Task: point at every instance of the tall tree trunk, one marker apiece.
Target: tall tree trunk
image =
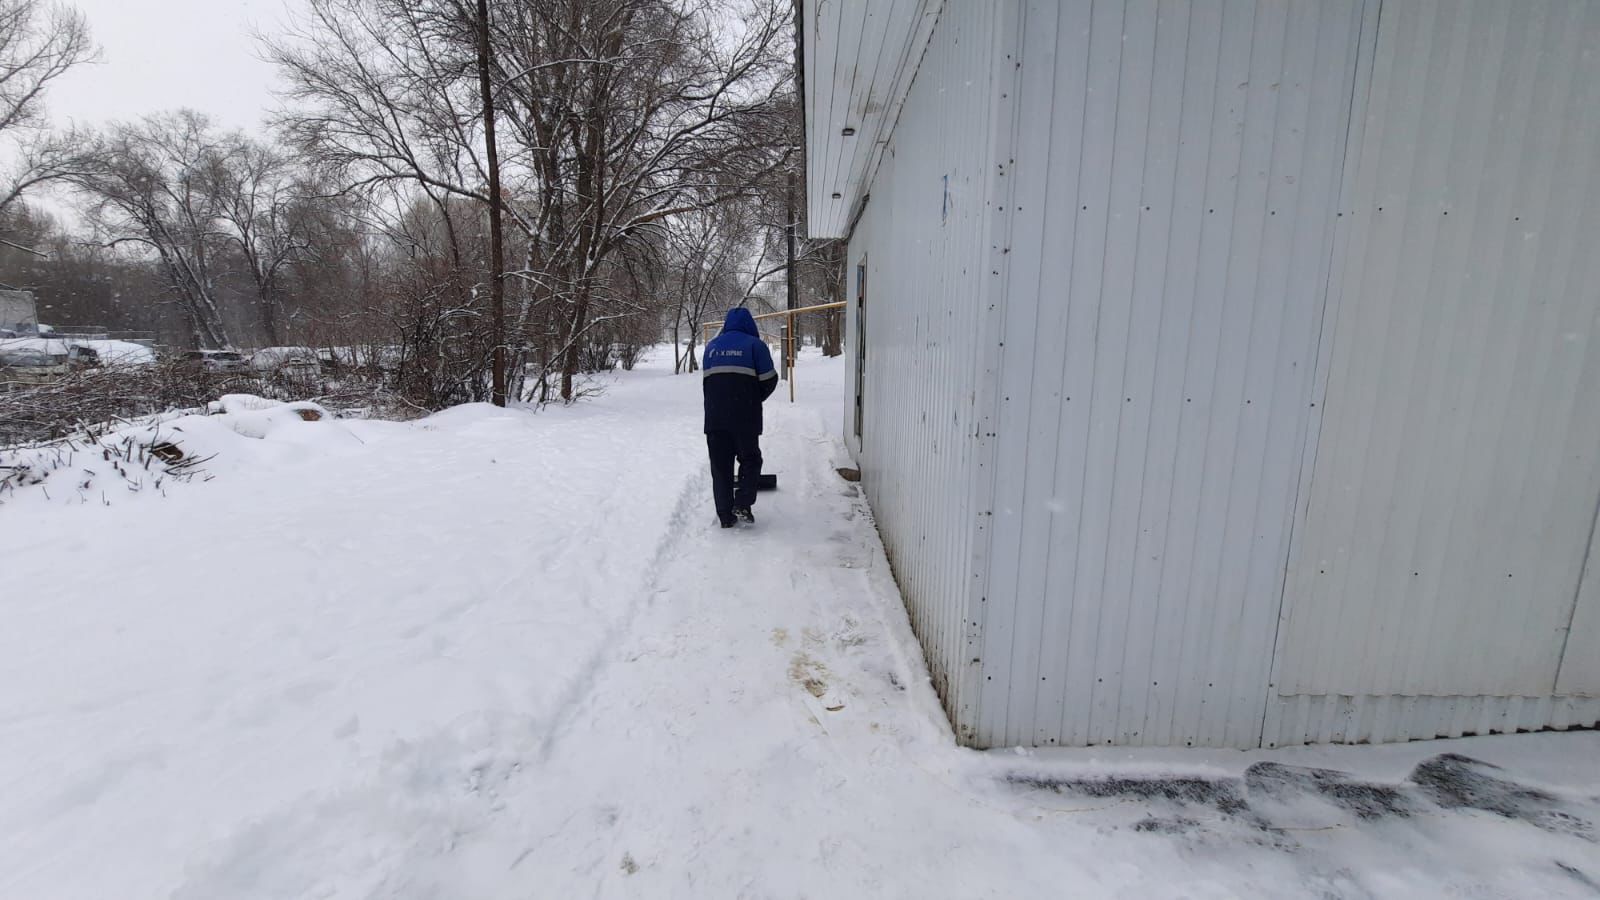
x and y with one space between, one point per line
205 320
575 329
266 308
497 264
268 314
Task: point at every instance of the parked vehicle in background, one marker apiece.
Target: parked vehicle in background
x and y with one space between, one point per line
29 351
371 357
29 360
220 362
83 356
296 363
116 354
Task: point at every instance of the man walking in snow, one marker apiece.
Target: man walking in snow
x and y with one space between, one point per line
737 378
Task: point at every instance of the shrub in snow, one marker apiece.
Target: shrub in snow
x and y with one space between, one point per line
95 468
102 463
67 399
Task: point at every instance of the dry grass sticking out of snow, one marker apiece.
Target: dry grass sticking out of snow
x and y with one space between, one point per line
108 464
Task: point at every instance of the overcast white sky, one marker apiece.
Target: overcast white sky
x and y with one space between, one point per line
165 54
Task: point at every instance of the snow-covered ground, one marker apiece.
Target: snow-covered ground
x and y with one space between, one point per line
502 654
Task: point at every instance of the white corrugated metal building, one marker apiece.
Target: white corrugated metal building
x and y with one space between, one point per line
1227 370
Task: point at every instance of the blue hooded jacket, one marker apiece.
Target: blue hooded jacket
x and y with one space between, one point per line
737 375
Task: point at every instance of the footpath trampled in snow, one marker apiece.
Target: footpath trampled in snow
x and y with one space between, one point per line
504 654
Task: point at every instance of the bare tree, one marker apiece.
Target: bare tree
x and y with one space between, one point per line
385 93
39 42
388 102
149 184
617 116
629 113
705 253
261 207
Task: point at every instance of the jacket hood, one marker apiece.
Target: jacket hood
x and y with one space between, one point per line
739 319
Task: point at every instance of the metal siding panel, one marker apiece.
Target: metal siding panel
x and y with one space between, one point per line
1358 244
1207 438
1165 304
822 24
1115 473
859 60
1569 407
1493 486
1066 345
1175 429
1454 339
1455 486
1580 665
1580 662
1315 92
1335 719
1083 429
1352 62
1012 641
868 104
1209 490
926 289
863 28
808 63
1007 125
1153 390
1236 632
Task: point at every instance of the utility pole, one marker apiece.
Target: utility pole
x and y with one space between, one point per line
789 239
791 335
497 263
791 201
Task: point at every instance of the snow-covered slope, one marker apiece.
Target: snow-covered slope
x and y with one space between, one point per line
502 654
